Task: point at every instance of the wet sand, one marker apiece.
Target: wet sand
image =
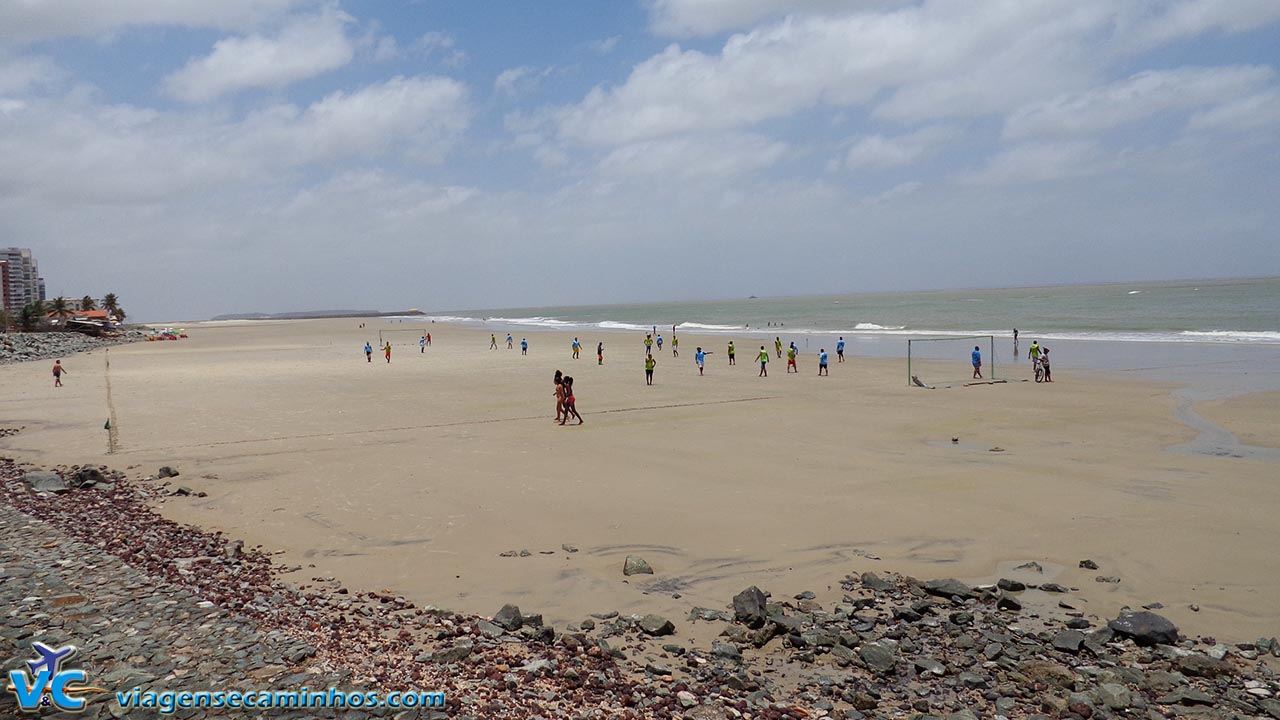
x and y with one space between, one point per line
417 475
1253 419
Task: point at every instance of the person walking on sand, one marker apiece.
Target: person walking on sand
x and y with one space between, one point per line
648 344
659 343
570 402
649 364
509 342
840 349
764 362
731 360
387 351
777 346
429 337
368 351
977 362
1044 363
422 344
675 346
524 346
700 357
577 348
822 363
559 393
57 373
600 353
791 360
493 341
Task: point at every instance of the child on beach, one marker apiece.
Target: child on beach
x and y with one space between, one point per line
822 363
559 393
649 365
840 349
977 362
368 351
731 360
387 350
57 373
570 402
764 361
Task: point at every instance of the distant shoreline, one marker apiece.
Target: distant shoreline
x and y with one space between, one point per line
317 315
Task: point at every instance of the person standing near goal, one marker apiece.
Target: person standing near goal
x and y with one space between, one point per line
422 344
387 350
977 362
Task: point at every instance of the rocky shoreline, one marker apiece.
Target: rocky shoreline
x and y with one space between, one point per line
84 559
22 347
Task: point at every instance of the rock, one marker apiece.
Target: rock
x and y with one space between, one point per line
948 588
686 699
457 652
1107 579
1146 628
1053 588
656 625
45 482
806 595
1068 641
1113 696
1032 566
509 617
1010 585
1078 623
87 476
872 581
1271 707
635 565
1204 666
183 491
166 472
973 681
658 669
878 657
568 548
493 630
962 715
749 607
538 667
726 651
1049 673
1088 565
1185 696
1009 602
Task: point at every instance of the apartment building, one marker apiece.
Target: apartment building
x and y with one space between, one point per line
22 283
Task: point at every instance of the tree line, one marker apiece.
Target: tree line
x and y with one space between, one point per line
32 315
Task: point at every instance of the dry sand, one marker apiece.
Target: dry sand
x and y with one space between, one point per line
415 476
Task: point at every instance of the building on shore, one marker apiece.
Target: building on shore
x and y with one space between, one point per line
21 283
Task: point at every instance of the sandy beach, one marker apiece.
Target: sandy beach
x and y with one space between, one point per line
416 476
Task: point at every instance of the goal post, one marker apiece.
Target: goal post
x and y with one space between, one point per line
396 336
926 356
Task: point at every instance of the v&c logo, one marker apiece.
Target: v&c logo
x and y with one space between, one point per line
46 684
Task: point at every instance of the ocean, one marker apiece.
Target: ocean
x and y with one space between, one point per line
1206 311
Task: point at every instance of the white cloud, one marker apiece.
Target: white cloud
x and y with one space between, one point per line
26 21
1255 112
441 45
1040 162
520 80
306 47
606 45
1187 18
718 156
18 74
683 18
878 151
1134 99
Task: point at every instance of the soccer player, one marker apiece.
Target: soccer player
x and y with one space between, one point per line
524 346
422 344
57 373
675 346
659 343
387 351
368 351
764 361
777 345
822 363
577 348
493 341
700 357
509 342
649 364
977 361
840 349
429 337
731 360
648 344
791 360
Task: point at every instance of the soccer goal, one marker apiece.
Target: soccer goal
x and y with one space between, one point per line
401 336
948 361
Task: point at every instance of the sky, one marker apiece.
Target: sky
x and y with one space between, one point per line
199 158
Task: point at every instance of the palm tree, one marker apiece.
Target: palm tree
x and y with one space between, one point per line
87 303
110 303
60 306
31 316
119 313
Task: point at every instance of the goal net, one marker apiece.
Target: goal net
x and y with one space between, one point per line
948 361
401 336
